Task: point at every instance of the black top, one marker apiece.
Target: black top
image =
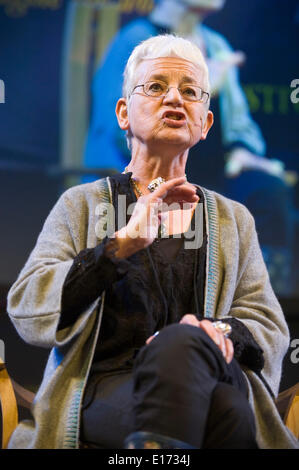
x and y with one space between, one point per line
152 288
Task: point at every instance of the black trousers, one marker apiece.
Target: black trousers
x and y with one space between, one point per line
181 387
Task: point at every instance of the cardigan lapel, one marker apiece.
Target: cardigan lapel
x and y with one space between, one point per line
212 259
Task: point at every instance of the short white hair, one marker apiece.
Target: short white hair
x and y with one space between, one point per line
164 45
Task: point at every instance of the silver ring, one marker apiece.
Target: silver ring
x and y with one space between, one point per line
222 327
155 183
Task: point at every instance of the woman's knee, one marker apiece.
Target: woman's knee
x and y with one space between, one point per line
178 339
178 344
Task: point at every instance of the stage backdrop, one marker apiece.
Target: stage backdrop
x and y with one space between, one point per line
61 66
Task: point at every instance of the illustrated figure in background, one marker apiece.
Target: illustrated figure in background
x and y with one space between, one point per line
240 146
121 297
183 17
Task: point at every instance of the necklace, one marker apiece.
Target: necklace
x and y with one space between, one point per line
154 184
136 187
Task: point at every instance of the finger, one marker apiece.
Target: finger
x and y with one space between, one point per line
190 319
149 339
152 337
163 189
175 189
186 186
216 336
229 350
207 326
181 191
184 198
222 345
181 198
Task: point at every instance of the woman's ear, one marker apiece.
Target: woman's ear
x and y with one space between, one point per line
207 125
121 111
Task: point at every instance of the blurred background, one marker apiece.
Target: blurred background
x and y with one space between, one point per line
61 65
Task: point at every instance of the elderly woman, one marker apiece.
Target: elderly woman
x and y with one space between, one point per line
137 307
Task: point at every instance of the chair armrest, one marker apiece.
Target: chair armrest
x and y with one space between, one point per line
8 405
287 404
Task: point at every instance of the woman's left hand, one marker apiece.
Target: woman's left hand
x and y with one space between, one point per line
224 344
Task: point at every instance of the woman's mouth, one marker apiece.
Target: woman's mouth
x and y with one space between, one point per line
174 118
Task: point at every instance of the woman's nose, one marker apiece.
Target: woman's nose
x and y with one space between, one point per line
173 96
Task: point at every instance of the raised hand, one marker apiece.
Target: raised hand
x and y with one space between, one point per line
143 225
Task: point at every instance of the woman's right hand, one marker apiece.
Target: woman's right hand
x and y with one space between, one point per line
143 225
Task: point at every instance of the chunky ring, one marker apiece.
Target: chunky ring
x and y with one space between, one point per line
155 183
223 328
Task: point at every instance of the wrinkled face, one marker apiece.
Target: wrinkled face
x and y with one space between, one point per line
206 4
168 120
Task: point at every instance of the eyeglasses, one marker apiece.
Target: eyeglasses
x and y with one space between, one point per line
160 89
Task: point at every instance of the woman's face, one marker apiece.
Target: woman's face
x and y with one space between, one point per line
168 120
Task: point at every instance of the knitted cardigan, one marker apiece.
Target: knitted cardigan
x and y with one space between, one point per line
237 285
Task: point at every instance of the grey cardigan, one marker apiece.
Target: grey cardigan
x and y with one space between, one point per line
237 285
